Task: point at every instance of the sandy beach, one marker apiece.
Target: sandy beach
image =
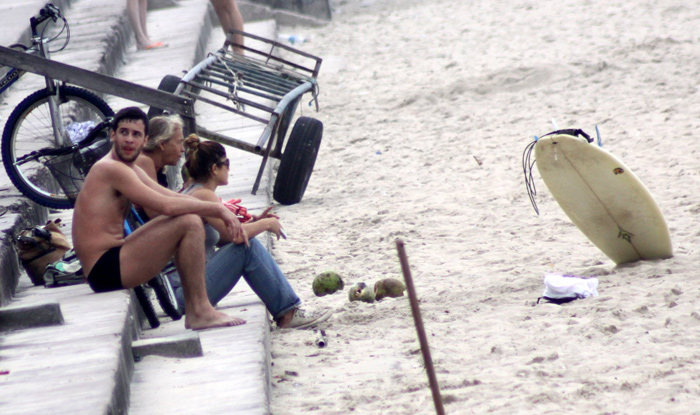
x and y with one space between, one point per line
427 107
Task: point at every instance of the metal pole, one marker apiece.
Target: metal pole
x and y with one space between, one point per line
422 338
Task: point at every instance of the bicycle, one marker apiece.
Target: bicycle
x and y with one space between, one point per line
48 135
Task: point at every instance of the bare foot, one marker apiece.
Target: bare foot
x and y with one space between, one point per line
216 319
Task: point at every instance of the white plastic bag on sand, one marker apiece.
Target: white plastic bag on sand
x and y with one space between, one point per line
563 288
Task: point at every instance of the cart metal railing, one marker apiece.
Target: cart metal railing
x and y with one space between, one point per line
260 84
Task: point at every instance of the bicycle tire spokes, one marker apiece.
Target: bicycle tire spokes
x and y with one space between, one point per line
30 153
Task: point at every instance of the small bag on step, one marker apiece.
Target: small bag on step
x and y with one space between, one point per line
39 246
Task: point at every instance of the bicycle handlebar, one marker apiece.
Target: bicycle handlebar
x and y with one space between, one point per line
50 151
50 11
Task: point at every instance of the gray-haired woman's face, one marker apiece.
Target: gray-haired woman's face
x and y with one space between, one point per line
173 148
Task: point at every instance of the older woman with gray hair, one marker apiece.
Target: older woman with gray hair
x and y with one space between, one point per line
164 147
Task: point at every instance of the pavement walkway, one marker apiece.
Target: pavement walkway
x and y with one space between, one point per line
86 364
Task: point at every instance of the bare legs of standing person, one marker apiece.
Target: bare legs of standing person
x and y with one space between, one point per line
229 18
136 9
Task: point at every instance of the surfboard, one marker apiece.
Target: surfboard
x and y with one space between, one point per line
603 198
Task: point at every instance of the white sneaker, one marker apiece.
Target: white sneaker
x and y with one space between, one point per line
303 319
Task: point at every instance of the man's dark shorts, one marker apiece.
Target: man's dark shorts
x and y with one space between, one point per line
106 274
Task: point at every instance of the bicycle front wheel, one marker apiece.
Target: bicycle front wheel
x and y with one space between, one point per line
165 295
30 128
147 306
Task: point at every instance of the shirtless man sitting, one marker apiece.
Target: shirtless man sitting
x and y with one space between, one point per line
113 262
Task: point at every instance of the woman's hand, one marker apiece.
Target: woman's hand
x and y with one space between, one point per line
266 214
274 226
233 225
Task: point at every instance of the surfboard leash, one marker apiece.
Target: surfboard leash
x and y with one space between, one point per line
527 172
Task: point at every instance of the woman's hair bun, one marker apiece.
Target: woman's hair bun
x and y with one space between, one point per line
191 142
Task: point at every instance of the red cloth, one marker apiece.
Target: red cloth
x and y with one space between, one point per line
238 210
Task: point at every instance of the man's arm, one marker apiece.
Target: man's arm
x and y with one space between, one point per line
144 164
126 181
153 184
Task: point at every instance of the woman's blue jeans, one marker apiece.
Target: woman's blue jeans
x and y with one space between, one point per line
255 264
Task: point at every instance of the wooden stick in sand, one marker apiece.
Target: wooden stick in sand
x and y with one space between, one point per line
422 338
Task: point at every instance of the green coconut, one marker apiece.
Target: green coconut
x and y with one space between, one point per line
361 292
327 282
388 287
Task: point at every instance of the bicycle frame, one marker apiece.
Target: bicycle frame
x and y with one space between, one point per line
10 78
38 47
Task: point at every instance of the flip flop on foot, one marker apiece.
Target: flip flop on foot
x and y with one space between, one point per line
155 45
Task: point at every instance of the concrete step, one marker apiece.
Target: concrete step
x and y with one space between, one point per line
82 366
232 376
178 345
26 316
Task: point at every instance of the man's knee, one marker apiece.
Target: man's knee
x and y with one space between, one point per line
189 223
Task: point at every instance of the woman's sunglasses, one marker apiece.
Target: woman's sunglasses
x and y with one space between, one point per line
226 162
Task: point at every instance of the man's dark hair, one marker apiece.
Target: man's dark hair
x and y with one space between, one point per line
130 114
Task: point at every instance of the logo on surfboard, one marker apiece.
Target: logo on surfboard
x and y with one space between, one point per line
623 234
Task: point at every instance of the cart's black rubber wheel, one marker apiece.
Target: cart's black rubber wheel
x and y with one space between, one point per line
298 160
147 306
166 295
169 83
